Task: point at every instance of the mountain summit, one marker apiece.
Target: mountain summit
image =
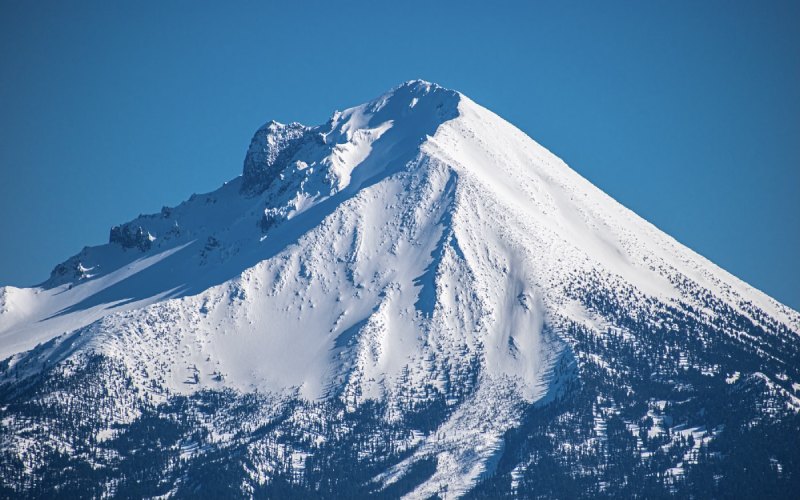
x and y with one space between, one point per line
414 298
408 114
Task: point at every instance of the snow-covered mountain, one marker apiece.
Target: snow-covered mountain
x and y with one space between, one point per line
414 298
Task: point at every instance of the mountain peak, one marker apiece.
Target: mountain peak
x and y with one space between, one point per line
412 110
420 87
416 90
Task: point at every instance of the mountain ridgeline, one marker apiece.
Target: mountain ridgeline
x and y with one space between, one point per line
414 299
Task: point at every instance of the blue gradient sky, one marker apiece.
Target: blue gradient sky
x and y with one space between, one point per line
686 112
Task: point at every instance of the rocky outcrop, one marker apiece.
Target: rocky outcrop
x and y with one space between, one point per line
131 236
271 149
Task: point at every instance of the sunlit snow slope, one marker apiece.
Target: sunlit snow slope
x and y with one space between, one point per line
412 247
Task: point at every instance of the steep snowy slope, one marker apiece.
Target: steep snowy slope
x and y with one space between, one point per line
416 267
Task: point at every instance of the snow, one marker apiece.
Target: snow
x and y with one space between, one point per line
35 315
364 258
732 378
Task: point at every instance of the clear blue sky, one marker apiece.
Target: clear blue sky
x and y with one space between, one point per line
686 112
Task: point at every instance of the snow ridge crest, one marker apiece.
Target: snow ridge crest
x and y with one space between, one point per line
420 105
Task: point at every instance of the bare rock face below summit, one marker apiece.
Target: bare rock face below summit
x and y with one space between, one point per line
412 299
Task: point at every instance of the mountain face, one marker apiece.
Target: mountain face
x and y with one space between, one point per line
412 299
